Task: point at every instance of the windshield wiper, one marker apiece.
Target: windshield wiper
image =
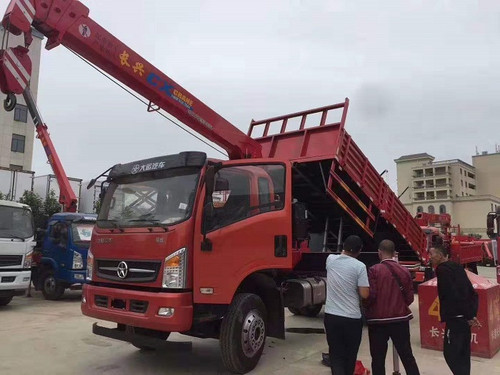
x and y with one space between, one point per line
10 235
154 222
111 221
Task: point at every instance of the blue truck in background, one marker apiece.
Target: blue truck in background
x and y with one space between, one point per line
61 259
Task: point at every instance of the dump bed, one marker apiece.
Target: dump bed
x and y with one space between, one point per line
353 182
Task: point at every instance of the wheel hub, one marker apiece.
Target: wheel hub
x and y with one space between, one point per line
253 333
50 284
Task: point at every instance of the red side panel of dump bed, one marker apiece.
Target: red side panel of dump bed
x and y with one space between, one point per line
328 140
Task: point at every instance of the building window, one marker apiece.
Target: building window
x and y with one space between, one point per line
21 113
17 144
442 209
15 167
420 209
430 209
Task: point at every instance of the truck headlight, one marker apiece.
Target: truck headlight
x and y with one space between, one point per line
175 269
27 260
77 261
90 266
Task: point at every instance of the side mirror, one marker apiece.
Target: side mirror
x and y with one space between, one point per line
39 237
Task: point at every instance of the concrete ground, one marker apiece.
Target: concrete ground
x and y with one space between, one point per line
53 337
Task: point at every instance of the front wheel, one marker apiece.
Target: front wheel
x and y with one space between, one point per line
51 288
4 301
243 333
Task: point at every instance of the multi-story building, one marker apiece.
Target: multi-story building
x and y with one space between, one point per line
467 192
17 131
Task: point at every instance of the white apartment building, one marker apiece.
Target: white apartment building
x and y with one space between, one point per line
467 192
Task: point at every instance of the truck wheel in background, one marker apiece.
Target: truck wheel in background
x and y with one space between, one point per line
4 301
51 289
243 333
311 311
472 267
151 333
294 311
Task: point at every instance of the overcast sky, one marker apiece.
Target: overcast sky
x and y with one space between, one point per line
421 78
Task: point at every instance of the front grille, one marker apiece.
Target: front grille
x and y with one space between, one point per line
135 306
138 306
8 279
10 260
137 271
101 301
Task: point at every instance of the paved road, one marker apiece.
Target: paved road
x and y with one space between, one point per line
52 337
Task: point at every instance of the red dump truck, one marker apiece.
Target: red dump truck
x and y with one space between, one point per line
217 248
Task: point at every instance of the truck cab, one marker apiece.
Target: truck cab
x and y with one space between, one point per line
63 261
16 249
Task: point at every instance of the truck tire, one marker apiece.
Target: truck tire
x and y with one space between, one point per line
243 333
311 311
294 311
4 301
51 289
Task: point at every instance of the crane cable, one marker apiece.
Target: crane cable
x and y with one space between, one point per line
116 82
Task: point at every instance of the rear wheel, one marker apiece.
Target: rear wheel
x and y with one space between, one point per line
4 301
51 288
472 267
294 311
311 311
243 333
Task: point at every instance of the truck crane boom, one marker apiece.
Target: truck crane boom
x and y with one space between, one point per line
67 22
67 197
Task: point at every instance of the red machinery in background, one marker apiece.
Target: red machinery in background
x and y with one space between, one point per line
464 249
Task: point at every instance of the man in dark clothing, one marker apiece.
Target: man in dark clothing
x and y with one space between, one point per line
458 304
387 310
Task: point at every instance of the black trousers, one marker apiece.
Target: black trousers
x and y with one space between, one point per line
457 346
399 333
344 337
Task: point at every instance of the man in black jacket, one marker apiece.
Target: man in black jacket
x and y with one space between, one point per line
458 304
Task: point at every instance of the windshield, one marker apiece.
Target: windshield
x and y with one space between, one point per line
15 222
162 198
82 233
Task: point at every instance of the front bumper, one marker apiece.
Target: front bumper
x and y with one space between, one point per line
14 283
72 276
117 305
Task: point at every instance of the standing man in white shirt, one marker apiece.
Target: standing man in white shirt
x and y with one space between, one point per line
347 281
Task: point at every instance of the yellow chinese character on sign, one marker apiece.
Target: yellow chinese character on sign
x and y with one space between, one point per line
124 58
139 67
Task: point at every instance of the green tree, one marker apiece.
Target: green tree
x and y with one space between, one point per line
36 203
2 196
97 206
51 205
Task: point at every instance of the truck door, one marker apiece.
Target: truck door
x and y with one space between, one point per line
58 246
248 228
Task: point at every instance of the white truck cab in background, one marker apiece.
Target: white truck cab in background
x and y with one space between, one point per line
16 249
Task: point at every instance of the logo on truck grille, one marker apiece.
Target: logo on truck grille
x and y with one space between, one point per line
122 270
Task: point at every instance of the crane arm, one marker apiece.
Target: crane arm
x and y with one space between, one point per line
67 197
67 22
